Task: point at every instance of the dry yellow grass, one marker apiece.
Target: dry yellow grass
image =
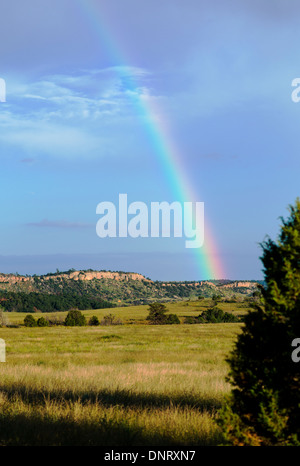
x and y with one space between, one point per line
118 385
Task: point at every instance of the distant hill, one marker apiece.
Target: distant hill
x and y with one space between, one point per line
94 288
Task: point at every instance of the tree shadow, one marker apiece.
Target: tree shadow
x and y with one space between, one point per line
108 398
39 428
31 429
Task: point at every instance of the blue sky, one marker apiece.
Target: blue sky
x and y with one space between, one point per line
220 73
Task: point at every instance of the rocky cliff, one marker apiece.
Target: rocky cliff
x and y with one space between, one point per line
125 287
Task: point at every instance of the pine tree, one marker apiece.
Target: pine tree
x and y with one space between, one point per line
264 405
157 313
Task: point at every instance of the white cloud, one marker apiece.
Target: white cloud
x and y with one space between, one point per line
68 115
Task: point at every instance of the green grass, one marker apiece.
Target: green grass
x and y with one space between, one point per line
131 384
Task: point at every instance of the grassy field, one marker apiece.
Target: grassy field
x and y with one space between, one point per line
130 384
138 314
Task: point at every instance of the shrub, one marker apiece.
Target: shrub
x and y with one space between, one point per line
172 319
75 318
216 315
111 319
55 320
94 321
42 322
213 315
29 321
190 320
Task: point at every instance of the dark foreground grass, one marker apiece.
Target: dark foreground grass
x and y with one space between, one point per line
62 423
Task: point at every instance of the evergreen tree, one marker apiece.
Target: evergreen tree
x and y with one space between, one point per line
29 321
157 313
42 322
264 406
75 318
94 321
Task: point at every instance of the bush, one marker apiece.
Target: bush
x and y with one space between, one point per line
29 321
216 315
42 322
190 320
55 320
94 321
111 319
213 315
75 318
172 319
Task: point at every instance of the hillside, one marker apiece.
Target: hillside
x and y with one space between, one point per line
98 289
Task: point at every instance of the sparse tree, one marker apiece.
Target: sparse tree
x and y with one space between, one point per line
110 319
157 313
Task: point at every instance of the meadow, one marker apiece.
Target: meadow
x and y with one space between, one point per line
132 384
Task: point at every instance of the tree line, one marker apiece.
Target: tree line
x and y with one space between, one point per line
43 302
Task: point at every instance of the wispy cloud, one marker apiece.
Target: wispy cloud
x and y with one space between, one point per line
71 115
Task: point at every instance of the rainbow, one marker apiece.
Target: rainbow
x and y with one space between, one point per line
171 162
